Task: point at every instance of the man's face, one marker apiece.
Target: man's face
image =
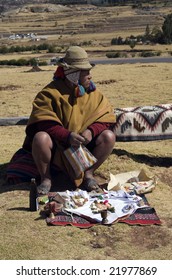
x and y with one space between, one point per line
85 78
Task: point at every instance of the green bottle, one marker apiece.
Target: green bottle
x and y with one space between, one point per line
33 198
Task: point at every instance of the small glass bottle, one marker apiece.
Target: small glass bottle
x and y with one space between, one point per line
33 198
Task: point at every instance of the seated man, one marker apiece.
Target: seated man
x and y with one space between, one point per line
69 111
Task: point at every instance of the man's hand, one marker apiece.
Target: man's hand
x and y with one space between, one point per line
76 139
87 135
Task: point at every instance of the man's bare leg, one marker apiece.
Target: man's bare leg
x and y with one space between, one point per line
41 151
104 146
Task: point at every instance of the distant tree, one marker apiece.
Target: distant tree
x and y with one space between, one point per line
21 62
114 41
147 32
51 49
33 62
157 35
120 40
3 49
167 29
132 44
17 49
12 62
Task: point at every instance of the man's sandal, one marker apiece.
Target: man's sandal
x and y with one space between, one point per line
90 184
43 189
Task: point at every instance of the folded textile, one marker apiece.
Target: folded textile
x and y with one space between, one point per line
80 158
144 215
64 219
140 217
144 123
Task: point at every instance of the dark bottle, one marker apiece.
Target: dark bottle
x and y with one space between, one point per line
33 198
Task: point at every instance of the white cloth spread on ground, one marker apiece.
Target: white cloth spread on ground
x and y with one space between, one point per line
123 203
120 195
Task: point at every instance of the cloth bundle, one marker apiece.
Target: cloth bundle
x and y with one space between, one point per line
79 158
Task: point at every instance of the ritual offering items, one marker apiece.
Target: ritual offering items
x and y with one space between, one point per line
104 208
98 206
139 187
79 200
56 197
51 216
75 199
52 208
43 199
121 199
127 208
65 200
134 181
143 187
104 216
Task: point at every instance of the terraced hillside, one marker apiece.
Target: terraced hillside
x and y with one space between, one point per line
56 19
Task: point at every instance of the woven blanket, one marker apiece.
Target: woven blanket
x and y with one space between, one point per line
143 216
63 219
140 217
145 123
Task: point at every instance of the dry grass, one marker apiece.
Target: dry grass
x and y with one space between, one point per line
24 235
82 23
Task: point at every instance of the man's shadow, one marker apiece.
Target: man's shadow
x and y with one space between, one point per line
60 182
146 159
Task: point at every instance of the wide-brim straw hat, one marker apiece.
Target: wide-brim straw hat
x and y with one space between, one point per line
75 58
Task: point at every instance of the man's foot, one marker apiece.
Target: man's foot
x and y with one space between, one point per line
44 187
90 184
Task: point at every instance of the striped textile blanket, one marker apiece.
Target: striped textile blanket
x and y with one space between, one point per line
139 217
145 123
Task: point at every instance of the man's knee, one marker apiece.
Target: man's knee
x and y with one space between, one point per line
107 136
42 138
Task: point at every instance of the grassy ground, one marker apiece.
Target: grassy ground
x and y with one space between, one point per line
81 23
24 235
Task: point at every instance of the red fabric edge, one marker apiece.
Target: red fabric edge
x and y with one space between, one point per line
54 223
141 222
